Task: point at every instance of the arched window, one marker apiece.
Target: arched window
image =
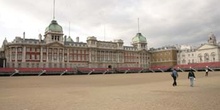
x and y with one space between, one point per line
183 55
213 56
183 61
200 58
206 57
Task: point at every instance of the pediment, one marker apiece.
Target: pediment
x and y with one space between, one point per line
207 46
55 44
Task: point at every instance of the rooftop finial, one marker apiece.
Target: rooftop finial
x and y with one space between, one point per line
138 26
69 28
53 9
104 32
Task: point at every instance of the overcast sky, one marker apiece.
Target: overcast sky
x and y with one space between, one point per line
162 22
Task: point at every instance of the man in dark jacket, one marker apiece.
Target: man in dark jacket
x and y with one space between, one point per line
174 74
191 77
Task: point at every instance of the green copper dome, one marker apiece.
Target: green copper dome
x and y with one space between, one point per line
69 39
54 27
139 38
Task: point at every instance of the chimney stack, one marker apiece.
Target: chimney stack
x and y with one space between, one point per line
23 35
77 39
40 37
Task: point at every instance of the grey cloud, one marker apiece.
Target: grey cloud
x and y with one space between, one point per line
162 22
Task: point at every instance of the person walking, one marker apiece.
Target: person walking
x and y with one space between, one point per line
174 74
206 72
191 77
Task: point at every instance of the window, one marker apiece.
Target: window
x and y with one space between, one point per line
20 49
44 49
54 57
44 57
213 56
55 65
183 61
55 50
200 57
32 56
38 57
183 55
61 50
33 65
19 65
79 59
50 57
71 57
28 49
37 65
206 57
27 65
65 57
50 50
19 57
75 58
60 57
37 49
70 51
28 56
32 49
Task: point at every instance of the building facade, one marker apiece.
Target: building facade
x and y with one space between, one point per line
208 52
186 55
54 50
164 56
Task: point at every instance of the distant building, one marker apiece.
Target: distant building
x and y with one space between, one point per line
208 52
164 56
54 50
186 55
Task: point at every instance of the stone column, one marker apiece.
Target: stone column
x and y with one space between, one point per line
218 56
57 55
16 54
117 57
95 54
47 60
52 55
47 55
10 55
104 56
68 55
4 63
41 54
90 55
24 54
63 56
16 57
